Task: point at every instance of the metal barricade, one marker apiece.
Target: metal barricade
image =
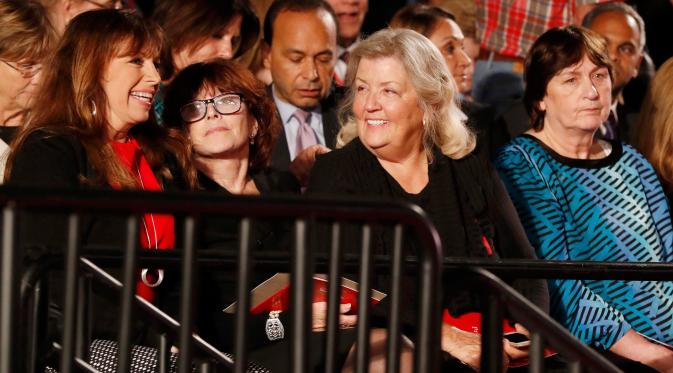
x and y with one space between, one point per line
304 212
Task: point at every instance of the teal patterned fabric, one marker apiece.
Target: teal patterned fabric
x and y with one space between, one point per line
612 209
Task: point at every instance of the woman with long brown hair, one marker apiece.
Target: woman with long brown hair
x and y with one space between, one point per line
92 128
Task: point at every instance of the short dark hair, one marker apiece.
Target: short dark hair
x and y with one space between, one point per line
193 22
552 52
619 7
420 18
227 76
279 6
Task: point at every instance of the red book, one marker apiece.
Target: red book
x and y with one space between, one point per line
471 322
274 294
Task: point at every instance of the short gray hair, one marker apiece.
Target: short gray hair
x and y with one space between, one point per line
620 7
443 123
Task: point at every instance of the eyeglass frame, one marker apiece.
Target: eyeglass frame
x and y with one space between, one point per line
25 73
212 101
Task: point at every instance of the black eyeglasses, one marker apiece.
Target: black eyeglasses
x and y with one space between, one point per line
27 70
228 103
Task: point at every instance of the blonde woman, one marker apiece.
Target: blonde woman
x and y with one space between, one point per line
405 139
25 40
654 134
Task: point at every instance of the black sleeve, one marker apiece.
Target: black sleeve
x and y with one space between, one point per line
514 244
46 161
51 162
325 176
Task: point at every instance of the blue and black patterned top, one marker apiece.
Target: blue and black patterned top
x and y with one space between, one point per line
610 209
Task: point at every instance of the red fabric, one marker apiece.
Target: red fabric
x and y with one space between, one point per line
132 157
509 27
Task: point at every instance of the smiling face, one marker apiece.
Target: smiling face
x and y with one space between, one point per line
578 98
449 39
388 116
350 15
218 135
623 38
301 62
130 83
223 45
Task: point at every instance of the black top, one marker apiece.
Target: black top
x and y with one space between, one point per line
58 161
220 237
465 199
7 133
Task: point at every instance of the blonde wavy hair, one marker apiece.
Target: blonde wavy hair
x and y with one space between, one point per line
444 123
654 134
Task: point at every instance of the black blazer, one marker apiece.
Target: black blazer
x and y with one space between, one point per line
280 158
464 198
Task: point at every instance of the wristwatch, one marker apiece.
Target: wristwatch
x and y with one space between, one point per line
274 328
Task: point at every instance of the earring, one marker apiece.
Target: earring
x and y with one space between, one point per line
93 108
252 140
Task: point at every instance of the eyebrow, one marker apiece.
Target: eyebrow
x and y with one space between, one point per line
303 53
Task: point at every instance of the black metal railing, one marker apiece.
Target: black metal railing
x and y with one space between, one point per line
303 260
304 212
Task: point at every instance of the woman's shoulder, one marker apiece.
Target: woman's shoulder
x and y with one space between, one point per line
49 158
343 169
521 149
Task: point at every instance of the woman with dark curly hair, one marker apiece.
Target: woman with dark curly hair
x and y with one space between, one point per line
229 120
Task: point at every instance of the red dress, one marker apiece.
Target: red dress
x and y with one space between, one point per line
156 230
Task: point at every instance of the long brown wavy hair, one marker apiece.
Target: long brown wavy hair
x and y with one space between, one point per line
72 100
226 76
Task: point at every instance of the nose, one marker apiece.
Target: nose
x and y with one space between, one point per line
211 113
463 58
372 102
225 49
310 69
590 89
151 73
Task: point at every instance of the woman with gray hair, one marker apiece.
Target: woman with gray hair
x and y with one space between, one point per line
404 138
582 198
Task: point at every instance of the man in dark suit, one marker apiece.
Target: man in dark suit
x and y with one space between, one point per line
300 52
624 31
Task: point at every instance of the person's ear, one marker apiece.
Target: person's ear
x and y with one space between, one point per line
266 56
254 128
69 9
636 69
541 105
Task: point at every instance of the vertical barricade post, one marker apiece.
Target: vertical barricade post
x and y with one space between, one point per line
243 296
127 295
187 296
300 299
9 291
428 342
536 353
394 333
334 300
164 353
364 296
70 303
491 334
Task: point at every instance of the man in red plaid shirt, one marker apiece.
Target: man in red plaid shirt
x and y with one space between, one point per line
507 29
